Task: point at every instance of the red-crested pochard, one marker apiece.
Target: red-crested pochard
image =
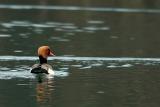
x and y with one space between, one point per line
43 67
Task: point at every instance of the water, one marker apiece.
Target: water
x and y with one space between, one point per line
107 53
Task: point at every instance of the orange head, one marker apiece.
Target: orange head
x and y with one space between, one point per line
45 51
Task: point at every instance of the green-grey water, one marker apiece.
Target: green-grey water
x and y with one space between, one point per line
107 53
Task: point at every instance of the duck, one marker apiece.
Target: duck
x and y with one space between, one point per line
43 66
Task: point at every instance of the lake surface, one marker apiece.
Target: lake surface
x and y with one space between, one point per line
107 53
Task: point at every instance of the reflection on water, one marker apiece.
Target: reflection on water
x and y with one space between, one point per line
44 89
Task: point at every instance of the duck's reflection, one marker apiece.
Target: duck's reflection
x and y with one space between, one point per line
44 89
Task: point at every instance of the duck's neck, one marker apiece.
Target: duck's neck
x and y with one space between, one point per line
42 60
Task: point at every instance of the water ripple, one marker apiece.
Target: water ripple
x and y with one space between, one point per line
119 66
66 58
80 8
11 73
62 64
57 26
5 35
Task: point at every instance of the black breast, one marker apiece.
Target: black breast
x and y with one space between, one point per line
38 69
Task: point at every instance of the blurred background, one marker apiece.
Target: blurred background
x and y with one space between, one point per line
81 28
107 53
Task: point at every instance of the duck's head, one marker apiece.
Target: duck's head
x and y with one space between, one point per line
43 53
